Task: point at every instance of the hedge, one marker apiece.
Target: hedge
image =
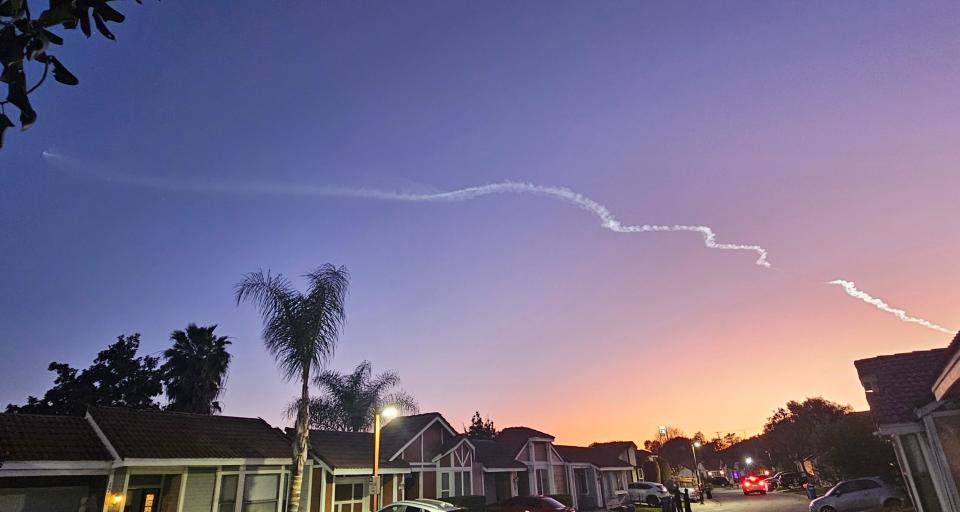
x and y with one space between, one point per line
470 503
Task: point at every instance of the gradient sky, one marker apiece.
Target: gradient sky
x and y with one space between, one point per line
825 131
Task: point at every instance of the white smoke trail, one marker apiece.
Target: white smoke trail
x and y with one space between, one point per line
607 220
851 289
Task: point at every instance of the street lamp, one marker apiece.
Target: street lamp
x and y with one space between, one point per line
696 468
387 412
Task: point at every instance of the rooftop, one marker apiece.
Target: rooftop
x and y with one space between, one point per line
899 383
34 437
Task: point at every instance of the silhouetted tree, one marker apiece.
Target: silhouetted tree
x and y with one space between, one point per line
116 378
300 330
349 401
195 370
24 38
481 428
791 432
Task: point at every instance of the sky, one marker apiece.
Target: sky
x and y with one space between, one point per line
825 132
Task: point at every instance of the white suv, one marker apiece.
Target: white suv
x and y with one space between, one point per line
859 494
648 493
420 505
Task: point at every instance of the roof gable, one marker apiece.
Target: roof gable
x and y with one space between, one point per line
597 456
400 432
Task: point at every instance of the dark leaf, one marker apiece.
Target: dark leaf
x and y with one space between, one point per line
70 24
43 58
51 37
109 13
102 27
84 17
62 74
5 123
58 14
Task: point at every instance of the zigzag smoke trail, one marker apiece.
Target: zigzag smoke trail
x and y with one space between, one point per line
851 289
607 219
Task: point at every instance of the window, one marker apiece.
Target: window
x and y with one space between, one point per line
643 487
445 478
619 481
845 488
249 492
863 485
542 482
261 492
228 493
348 497
581 481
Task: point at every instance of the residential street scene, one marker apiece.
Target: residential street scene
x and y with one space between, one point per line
479 256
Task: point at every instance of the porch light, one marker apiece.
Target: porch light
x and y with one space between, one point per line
116 498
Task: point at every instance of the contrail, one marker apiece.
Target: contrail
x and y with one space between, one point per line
851 289
607 220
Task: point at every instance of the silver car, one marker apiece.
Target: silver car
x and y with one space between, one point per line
859 494
648 493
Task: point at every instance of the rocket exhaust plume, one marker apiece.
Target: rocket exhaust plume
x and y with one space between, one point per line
851 289
607 220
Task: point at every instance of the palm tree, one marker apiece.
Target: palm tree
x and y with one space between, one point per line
300 330
349 401
195 370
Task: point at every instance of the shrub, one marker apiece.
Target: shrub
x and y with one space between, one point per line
470 503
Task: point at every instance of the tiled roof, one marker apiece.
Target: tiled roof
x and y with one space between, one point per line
151 433
347 450
522 433
597 456
900 383
494 454
34 437
399 431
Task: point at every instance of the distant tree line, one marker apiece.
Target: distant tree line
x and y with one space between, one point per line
192 373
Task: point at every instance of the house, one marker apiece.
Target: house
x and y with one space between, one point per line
421 456
679 452
596 468
627 451
913 400
134 460
520 461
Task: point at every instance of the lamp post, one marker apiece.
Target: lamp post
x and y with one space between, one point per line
749 461
696 468
387 412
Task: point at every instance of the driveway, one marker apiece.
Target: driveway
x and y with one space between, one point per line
733 500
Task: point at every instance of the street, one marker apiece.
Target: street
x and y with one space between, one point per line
733 500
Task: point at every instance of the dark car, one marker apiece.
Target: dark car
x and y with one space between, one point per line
534 504
792 479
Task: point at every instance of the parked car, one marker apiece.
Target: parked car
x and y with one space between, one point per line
534 504
648 493
792 479
719 481
859 494
421 505
753 485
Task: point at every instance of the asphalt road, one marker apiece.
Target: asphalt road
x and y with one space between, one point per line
733 500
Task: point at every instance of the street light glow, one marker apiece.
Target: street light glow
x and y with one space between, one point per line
749 460
389 412
696 444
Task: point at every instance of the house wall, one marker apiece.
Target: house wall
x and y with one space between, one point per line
198 496
52 493
429 484
947 432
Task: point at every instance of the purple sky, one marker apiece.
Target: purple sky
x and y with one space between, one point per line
824 131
